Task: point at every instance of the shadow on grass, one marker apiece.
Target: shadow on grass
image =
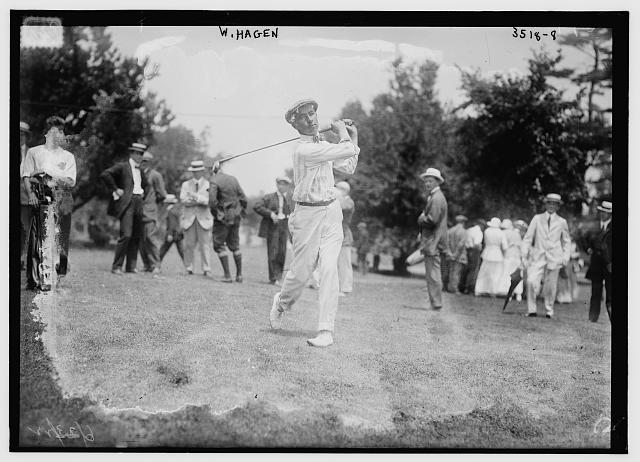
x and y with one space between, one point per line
291 333
47 418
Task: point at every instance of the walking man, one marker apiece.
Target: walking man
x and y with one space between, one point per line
127 184
433 228
600 265
316 222
228 205
196 217
275 210
545 249
457 237
153 197
345 269
174 233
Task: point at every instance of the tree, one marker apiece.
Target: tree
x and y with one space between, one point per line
522 142
404 133
98 92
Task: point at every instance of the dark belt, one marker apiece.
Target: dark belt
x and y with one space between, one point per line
315 204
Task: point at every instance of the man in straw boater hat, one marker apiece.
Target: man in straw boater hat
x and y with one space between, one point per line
127 182
599 272
197 220
433 229
457 237
545 249
316 222
275 210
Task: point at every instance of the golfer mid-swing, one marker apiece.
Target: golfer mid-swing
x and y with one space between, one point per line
316 222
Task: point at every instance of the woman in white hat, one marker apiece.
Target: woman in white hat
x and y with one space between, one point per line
512 258
490 274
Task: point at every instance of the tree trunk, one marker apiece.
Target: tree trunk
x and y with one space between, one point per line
592 87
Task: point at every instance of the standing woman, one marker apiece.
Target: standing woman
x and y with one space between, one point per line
512 258
490 274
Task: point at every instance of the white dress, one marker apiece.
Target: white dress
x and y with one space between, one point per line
490 274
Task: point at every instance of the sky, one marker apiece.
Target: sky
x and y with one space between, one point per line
241 88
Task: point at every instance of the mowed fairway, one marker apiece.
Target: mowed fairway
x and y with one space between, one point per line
397 375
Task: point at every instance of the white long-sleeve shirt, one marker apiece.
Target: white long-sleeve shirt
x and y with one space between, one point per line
57 163
313 165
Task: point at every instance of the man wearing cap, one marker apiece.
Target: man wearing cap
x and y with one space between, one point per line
196 220
127 183
545 249
599 272
345 269
58 168
174 234
228 204
26 210
457 237
154 195
275 209
433 229
316 222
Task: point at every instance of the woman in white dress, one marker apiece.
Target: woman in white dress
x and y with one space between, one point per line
490 274
511 258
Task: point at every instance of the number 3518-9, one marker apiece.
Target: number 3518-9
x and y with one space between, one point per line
531 34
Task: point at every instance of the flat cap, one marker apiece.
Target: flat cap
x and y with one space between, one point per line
291 112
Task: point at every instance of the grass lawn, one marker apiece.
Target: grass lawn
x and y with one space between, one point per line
190 361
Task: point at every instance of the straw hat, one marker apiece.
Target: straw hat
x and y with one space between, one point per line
196 166
434 172
494 222
605 206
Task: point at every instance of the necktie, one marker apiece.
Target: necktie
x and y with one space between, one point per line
197 184
280 203
549 222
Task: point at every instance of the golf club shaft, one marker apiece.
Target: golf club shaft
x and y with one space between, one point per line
322 130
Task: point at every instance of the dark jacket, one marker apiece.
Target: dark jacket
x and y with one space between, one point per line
599 242
119 176
264 208
226 199
153 195
433 225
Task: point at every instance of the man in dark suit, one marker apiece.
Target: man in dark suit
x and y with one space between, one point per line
228 204
127 183
275 209
599 272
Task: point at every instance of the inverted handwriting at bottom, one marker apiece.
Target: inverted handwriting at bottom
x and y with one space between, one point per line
58 432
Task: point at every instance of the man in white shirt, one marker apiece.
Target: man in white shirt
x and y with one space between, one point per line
59 169
316 222
545 249
127 183
197 220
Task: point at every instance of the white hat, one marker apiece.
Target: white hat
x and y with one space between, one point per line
290 115
147 156
138 147
506 224
605 206
196 166
24 127
283 179
434 172
171 199
552 197
494 222
343 185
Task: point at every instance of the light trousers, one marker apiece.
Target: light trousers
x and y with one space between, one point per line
536 273
197 235
433 275
317 237
345 270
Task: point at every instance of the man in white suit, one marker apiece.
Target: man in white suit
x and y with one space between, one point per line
545 249
197 220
